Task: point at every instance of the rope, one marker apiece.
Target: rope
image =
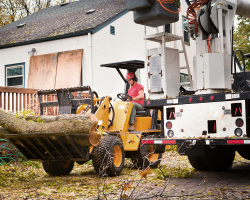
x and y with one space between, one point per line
191 14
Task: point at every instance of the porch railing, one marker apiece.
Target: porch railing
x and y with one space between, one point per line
19 99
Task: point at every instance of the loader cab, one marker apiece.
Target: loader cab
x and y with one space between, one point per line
130 66
143 120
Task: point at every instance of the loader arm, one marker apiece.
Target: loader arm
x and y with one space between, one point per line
102 113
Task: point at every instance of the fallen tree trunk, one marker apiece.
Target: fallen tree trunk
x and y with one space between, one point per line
3 131
80 126
51 118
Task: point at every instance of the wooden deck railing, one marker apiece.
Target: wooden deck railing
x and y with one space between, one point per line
19 99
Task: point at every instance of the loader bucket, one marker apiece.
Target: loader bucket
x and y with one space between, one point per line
44 146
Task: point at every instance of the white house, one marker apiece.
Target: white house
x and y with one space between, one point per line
64 46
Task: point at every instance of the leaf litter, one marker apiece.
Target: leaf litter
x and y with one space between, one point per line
28 180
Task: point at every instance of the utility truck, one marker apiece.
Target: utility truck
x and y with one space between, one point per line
211 120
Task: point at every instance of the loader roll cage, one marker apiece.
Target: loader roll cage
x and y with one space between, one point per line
131 65
66 102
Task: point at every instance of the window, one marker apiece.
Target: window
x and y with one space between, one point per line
168 28
14 75
184 78
186 34
138 75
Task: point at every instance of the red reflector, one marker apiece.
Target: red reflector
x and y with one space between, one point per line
168 141
235 141
148 102
169 125
190 99
212 98
200 98
239 122
147 142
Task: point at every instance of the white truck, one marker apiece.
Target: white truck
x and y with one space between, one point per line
210 121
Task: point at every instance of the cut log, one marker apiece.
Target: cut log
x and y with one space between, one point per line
79 126
50 118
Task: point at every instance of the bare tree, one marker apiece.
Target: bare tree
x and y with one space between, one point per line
12 10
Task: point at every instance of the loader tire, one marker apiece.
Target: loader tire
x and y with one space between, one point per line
145 156
58 168
109 156
197 163
219 158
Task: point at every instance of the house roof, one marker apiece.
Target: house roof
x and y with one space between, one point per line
67 20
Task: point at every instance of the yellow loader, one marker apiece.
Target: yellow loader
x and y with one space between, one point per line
117 143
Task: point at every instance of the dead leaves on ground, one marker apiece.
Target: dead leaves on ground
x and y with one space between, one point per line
28 180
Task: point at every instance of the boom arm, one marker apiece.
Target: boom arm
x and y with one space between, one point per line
212 26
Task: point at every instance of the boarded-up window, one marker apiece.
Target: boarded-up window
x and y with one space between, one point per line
57 70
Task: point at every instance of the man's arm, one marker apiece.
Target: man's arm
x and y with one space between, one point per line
140 96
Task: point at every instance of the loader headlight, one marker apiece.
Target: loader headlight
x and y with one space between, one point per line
170 133
238 132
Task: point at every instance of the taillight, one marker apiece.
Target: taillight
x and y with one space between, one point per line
169 125
239 122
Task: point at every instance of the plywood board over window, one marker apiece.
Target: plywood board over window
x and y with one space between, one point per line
42 71
69 69
56 70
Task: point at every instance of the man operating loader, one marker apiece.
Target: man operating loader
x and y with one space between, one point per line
136 91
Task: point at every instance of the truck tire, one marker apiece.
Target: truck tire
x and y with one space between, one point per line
244 151
58 168
145 156
108 157
219 158
197 163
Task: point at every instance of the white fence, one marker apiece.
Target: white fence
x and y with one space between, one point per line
19 99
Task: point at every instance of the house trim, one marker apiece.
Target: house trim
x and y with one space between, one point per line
75 34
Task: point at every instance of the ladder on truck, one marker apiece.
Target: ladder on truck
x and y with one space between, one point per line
164 37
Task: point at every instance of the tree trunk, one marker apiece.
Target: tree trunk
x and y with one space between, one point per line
80 126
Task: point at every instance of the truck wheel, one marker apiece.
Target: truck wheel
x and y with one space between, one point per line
197 163
244 151
108 157
219 158
58 168
145 156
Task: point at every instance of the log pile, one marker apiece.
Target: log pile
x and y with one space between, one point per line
81 128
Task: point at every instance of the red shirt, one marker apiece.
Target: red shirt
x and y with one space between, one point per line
134 92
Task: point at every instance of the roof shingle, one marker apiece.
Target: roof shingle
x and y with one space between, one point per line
60 20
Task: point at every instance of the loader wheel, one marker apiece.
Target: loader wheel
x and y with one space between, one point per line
145 156
108 157
219 158
58 168
197 163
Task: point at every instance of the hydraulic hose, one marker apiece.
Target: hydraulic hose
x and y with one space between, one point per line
235 81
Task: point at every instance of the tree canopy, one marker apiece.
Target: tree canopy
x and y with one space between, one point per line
241 39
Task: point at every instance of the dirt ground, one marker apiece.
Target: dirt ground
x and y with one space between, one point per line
175 179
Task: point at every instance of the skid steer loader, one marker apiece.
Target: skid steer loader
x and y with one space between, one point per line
58 155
